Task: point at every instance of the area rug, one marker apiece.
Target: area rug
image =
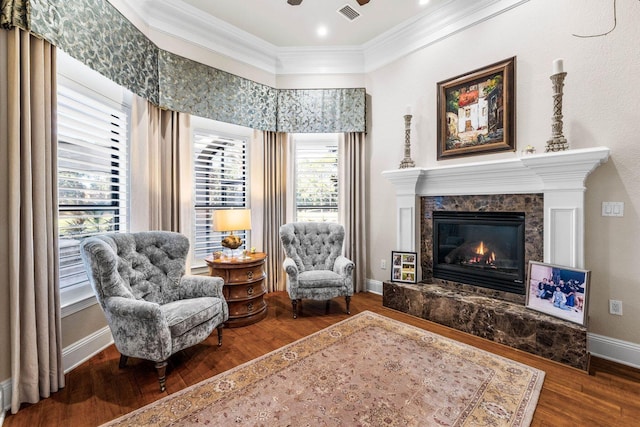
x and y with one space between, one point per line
368 370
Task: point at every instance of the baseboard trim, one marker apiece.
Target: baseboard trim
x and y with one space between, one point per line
624 352
84 349
374 286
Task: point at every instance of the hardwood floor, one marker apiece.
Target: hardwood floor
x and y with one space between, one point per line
98 391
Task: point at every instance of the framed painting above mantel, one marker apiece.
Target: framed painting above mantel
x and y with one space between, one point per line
476 111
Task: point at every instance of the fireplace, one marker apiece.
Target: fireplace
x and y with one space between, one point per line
480 248
549 189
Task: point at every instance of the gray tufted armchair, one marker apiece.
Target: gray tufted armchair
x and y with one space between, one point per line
315 266
153 309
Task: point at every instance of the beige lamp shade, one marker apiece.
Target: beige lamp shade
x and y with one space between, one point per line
231 219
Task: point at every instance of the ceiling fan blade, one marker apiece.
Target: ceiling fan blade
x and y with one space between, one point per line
294 2
363 2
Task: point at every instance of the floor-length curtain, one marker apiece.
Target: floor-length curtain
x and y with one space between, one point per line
165 136
275 191
353 191
36 349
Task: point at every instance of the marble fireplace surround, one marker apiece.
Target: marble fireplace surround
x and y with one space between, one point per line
554 180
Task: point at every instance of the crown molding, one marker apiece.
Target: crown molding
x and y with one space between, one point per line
321 60
451 18
187 23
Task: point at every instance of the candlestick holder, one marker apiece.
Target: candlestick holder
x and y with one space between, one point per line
407 162
557 142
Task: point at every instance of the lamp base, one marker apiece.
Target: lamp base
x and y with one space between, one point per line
234 253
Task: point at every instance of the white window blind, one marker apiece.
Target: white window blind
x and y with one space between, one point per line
220 182
92 175
316 178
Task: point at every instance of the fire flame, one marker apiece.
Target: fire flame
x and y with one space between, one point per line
481 251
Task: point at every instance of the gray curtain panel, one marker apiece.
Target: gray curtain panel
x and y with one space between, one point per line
274 180
36 349
353 161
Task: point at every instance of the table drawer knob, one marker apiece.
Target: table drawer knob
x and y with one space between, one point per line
250 290
250 274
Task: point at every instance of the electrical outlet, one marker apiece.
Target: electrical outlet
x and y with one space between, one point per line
615 307
383 264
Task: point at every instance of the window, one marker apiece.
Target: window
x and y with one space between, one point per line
316 177
220 182
92 177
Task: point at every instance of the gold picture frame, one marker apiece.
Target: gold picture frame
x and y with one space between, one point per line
476 111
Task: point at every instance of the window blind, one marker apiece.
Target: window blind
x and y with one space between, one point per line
220 182
316 180
92 175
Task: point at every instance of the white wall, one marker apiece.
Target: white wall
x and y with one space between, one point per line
601 95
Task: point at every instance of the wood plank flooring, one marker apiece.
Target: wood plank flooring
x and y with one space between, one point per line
98 391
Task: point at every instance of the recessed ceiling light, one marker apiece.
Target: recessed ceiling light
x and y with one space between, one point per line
423 2
322 31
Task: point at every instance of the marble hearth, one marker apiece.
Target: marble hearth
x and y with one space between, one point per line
550 189
495 319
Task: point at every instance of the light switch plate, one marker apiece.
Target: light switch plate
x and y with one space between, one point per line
612 208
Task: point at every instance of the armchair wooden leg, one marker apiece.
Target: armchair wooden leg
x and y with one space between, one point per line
326 306
348 300
294 304
219 335
123 361
161 367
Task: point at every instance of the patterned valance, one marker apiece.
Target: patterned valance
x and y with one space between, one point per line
186 85
95 33
321 110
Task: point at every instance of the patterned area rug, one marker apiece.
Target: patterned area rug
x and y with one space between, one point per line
368 370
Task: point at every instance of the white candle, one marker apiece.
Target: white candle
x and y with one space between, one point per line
408 113
557 66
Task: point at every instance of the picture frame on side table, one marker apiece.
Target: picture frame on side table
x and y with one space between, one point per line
559 291
476 111
404 266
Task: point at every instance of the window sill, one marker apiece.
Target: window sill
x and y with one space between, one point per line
75 300
199 270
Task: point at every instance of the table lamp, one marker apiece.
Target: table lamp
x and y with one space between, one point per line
231 220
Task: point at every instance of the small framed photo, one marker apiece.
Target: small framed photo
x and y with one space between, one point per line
476 111
404 267
559 291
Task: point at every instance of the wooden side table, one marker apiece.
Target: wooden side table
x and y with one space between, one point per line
244 287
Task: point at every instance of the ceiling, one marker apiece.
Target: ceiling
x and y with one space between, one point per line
273 36
283 25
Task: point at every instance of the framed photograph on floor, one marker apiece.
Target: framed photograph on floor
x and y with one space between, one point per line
559 291
476 111
404 267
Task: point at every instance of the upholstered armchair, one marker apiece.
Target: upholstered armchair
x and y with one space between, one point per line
315 266
153 309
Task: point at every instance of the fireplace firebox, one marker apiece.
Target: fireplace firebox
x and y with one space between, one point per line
480 248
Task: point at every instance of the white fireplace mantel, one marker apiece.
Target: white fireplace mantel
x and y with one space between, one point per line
560 176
